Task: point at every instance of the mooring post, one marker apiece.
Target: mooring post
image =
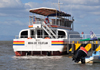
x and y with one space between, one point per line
40 52
31 53
67 48
96 45
92 48
21 53
26 53
72 47
51 52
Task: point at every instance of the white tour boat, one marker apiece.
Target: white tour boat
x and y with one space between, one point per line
49 32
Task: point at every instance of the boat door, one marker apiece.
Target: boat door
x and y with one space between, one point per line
39 36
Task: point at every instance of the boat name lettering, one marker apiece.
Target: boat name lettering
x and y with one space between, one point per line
42 42
30 42
37 42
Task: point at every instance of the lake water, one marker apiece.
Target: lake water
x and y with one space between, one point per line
8 61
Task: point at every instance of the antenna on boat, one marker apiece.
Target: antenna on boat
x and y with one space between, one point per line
58 4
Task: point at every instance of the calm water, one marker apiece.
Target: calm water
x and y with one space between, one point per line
9 62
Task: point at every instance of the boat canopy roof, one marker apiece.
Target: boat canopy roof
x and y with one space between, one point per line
49 12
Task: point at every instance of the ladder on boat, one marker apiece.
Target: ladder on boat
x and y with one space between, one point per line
49 30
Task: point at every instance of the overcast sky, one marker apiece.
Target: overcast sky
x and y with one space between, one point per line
14 14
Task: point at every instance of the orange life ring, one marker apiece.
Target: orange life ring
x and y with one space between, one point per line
46 19
29 38
47 38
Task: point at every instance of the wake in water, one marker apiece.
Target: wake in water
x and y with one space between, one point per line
37 57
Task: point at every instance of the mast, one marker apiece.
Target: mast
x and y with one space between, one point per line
58 4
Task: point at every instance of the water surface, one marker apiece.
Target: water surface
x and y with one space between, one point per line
8 61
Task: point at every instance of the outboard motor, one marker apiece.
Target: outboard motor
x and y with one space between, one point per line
80 55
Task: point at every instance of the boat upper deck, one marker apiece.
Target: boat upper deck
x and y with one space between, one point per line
51 16
54 24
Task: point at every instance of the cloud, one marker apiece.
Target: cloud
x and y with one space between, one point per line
14 8
76 7
36 5
32 4
82 8
10 4
84 26
13 22
95 13
84 2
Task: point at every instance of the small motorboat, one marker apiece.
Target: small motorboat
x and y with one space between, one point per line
79 57
95 58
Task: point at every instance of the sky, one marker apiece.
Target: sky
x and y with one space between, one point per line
14 15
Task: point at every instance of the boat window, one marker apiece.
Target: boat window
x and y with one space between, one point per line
74 35
61 34
24 34
39 33
45 34
62 22
32 34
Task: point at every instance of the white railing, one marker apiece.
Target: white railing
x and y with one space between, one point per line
74 37
77 37
49 30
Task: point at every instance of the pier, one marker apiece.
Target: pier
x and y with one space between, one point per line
72 48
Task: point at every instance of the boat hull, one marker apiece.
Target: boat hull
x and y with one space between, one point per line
41 53
23 47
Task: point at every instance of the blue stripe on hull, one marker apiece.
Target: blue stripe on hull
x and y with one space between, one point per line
18 44
57 44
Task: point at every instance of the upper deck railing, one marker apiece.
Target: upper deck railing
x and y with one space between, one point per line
65 22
